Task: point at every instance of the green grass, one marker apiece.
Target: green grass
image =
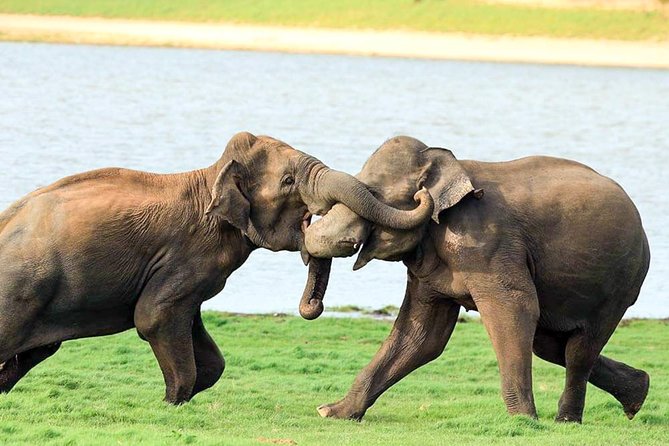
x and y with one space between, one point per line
109 390
467 16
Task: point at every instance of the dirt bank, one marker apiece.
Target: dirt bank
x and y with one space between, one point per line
331 41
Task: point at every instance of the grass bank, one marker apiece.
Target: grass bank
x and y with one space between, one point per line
452 16
108 391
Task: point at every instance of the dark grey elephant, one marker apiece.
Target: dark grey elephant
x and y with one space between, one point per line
551 257
104 251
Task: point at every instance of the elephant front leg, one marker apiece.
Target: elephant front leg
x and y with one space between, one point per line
167 325
419 335
510 317
209 361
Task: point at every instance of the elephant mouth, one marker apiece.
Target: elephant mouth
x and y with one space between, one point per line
306 221
349 246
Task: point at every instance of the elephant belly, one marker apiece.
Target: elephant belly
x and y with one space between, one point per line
580 297
565 310
56 326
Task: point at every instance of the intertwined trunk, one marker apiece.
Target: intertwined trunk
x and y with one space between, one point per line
344 188
331 186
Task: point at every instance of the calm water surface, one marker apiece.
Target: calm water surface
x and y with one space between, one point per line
66 109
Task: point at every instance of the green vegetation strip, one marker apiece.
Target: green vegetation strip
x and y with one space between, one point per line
466 16
109 390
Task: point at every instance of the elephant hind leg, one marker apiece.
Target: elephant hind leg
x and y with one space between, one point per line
15 368
626 384
209 361
581 354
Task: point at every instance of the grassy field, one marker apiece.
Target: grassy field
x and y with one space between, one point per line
108 391
466 16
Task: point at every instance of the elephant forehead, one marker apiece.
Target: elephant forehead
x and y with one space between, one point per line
394 168
271 153
393 188
268 141
396 161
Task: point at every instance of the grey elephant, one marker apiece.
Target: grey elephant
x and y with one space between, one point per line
111 249
548 251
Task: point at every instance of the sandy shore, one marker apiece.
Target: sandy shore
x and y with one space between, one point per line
331 41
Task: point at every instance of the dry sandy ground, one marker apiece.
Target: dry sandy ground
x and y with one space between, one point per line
364 43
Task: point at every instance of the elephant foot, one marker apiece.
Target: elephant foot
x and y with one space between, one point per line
568 418
529 412
176 401
177 397
340 410
635 397
9 374
567 413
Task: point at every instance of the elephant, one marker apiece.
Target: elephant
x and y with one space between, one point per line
107 250
549 252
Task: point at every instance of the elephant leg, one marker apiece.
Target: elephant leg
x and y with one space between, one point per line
419 335
626 384
12 370
168 327
209 361
581 354
510 315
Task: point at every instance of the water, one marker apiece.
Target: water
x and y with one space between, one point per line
66 109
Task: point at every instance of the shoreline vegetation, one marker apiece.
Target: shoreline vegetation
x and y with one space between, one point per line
619 33
588 19
108 390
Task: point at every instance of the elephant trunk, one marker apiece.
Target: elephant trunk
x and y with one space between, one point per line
340 187
311 304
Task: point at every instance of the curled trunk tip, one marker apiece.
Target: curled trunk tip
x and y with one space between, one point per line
311 303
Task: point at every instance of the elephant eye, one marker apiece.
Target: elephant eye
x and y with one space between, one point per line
288 180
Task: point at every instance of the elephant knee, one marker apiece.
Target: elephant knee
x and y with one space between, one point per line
433 352
431 347
209 372
147 325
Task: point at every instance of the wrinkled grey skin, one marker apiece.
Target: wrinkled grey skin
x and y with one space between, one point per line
551 256
104 251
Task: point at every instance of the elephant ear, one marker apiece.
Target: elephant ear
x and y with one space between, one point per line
227 199
445 179
240 144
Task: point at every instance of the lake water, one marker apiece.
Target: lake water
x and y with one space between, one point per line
66 109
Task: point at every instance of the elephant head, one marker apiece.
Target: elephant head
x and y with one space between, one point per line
393 174
269 191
